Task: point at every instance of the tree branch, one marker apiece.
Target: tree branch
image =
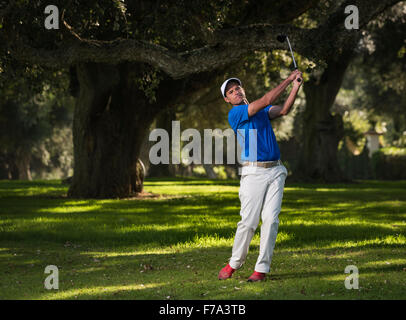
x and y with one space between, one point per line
223 48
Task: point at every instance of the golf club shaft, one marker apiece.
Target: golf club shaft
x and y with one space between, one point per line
291 52
293 57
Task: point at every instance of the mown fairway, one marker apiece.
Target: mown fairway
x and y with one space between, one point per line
173 246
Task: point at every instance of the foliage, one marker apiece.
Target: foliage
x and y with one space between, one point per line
393 151
389 163
35 108
356 166
376 79
53 156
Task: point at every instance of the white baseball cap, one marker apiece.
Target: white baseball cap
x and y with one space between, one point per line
223 86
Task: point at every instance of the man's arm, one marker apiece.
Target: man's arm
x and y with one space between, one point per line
270 96
278 111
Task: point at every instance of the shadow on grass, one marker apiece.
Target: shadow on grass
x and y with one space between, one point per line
150 229
184 275
181 220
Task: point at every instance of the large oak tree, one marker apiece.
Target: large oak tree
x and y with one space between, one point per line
132 58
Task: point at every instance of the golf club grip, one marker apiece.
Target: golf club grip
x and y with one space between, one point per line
298 80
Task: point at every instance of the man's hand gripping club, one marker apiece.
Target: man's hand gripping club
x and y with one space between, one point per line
272 95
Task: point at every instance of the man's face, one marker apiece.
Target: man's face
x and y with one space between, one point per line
235 94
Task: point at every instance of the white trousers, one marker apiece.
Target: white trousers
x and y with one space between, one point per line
261 192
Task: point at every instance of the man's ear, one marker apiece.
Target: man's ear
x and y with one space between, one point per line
226 100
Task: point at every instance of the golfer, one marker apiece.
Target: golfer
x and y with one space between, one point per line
262 178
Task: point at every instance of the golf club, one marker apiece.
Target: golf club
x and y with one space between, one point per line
281 38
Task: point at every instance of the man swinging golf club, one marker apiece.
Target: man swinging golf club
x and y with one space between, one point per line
263 178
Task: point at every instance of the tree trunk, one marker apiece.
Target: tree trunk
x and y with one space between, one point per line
12 166
164 121
22 163
322 131
5 172
210 171
112 117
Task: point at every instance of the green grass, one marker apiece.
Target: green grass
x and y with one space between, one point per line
173 246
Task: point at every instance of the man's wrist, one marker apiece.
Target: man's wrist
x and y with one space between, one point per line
296 84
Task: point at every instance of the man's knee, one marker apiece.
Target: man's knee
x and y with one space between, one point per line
271 218
247 225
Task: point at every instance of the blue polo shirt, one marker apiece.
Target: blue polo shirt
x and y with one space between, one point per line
266 145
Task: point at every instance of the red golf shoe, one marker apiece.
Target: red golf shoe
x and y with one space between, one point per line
256 276
226 272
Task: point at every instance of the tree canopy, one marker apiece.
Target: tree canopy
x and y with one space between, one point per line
178 37
129 60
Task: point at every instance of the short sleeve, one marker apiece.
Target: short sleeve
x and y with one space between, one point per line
266 109
238 116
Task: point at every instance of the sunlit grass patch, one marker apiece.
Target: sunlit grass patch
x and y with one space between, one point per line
85 293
